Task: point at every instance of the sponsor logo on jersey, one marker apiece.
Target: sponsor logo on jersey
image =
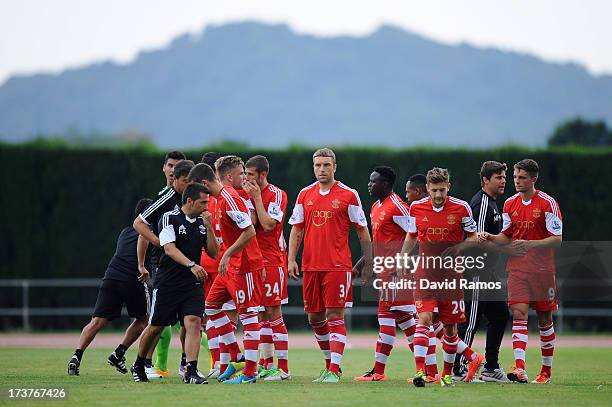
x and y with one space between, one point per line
319 217
182 230
425 219
438 231
514 214
309 203
525 224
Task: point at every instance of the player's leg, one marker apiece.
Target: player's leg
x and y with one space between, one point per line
280 337
266 346
421 340
165 306
132 333
519 298
336 286
314 306
247 288
520 336
160 356
497 316
108 306
191 309
545 294
547 344
192 349
135 296
217 296
466 330
384 344
88 333
274 332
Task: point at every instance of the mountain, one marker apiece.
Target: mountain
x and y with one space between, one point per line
268 86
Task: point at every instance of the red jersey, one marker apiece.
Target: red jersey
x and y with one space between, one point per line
233 216
275 202
536 219
439 228
208 263
252 260
390 222
327 219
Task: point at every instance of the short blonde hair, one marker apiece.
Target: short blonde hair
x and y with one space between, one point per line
324 152
224 165
437 175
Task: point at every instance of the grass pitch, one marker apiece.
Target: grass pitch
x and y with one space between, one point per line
581 376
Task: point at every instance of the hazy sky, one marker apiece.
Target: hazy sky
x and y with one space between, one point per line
51 35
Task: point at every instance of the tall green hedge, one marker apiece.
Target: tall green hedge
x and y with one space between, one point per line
62 208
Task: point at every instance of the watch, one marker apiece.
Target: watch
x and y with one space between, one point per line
191 264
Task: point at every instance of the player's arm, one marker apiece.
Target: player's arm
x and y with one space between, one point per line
554 227
175 254
167 238
363 234
409 243
142 246
550 241
263 217
248 233
145 231
212 246
295 240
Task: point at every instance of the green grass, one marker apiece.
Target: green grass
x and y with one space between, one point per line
582 376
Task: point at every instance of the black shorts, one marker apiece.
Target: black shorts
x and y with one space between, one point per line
113 294
170 305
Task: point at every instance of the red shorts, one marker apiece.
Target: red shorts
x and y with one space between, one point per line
450 312
243 289
395 299
386 306
538 290
228 305
275 287
327 289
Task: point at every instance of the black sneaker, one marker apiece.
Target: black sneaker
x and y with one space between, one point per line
194 379
73 366
117 363
138 373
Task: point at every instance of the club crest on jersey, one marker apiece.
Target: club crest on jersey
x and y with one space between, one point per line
451 219
202 229
418 304
335 204
537 212
182 230
382 215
